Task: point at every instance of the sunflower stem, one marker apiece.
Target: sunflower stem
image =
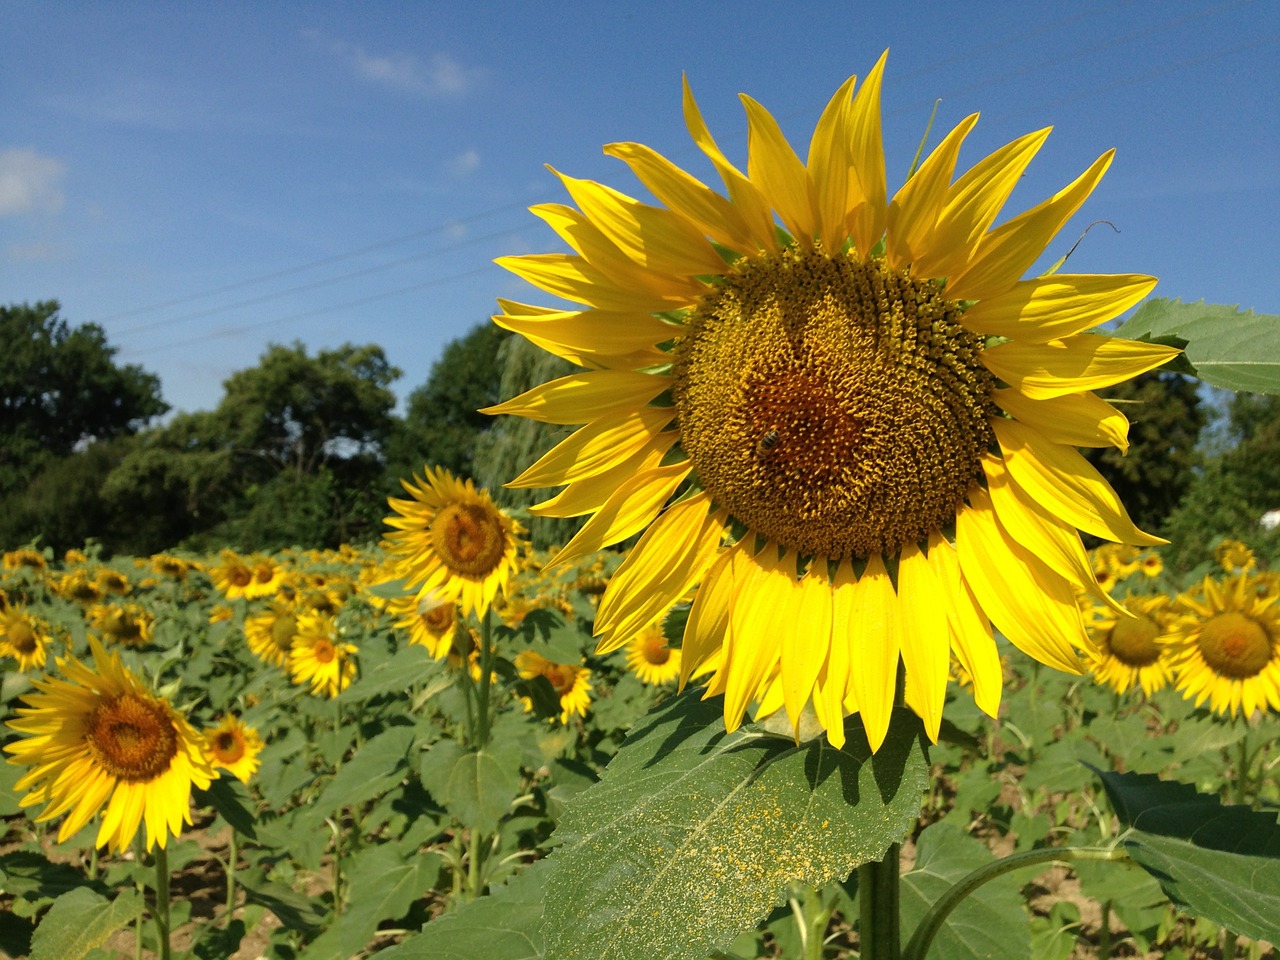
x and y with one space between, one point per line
233 855
878 892
162 902
486 669
1242 769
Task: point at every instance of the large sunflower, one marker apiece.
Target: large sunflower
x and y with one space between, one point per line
1225 645
100 741
860 394
452 540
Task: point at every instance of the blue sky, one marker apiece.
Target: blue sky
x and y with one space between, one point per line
204 179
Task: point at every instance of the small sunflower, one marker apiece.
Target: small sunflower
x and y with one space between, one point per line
858 395
318 657
430 622
220 613
233 576
1128 651
25 559
271 633
452 539
233 746
572 684
266 579
650 658
76 586
24 637
1225 646
124 623
74 557
1151 564
1234 556
167 565
113 581
99 741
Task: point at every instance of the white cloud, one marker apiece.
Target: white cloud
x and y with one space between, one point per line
30 182
464 163
438 76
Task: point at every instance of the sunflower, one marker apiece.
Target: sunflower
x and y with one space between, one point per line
99 741
572 684
232 746
232 576
1225 646
167 565
271 633
266 579
1126 650
1234 556
113 581
74 557
78 587
318 657
25 559
1151 564
650 658
124 623
452 539
430 622
24 637
865 400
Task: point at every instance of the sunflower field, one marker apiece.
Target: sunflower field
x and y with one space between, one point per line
824 668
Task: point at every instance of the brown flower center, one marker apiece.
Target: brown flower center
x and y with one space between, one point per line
1235 646
283 629
468 538
655 649
324 651
240 576
832 405
561 676
132 737
21 637
264 572
227 747
438 619
1133 641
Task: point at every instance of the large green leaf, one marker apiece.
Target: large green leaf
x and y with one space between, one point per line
378 765
692 833
408 666
475 786
229 798
1225 347
80 920
501 926
1221 863
989 923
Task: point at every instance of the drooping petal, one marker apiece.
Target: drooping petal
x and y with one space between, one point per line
877 642
584 336
708 622
833 687
926 646
1076 420
755 620
581 397
971 637
1056 306
1073 364
807 639
584 496
573 278
1066 484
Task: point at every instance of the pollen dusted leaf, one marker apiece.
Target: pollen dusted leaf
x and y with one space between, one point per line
1221 863
692 833
1228 348
80 920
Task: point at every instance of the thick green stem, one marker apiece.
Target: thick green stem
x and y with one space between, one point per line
878 892
233 856
162 902
474 856
486 673
1242 769
1104 932
920 941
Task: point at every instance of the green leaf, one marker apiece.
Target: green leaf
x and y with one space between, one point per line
501 926
80 920
295 910
376 767
989 923
692 833
382 886
1227 348
408 666
1222 863
475 786
230 799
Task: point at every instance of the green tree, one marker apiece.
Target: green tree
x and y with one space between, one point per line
442 422
60 389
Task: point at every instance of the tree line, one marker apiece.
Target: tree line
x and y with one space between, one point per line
304 449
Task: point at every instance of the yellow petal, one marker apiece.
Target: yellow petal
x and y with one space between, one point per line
587 496
708 622
654 238
971 205
1077 419
1028 602
595 448
670 557
834 688
1066 484
774 167
877 642
831 170
926 646
805 638
915 208
866 217
714 215
1056 306
1007 252
971 637
755 620
1085 361
573 278
631 508
584 335
581 397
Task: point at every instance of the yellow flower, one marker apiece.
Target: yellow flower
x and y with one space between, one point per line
124 623
1225 646
318 657
24 559
99 741
74 557
1151 564
166 565
571 684
24 637
452 539
266 579
112 581
867 402
650 658
431 622
1234 556
1126 650
271 633
233 576
233 746
78 587
220 612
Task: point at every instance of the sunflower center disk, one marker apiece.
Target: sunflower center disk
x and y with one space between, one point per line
832 405
468 538
132 738
1133 641
1234 645
228 748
